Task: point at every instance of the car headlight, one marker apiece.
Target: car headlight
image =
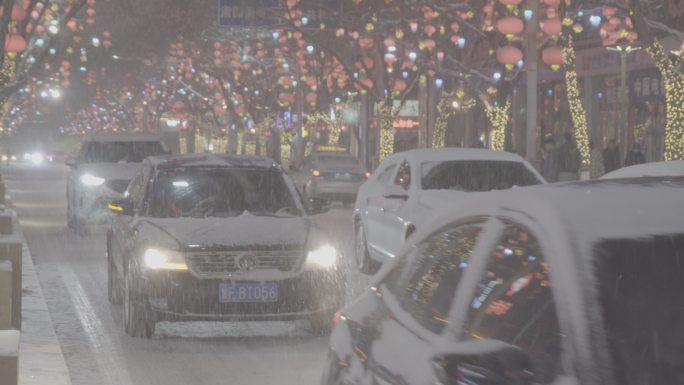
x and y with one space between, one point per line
157 259
91 180
13 157
5 158
37 158
324 256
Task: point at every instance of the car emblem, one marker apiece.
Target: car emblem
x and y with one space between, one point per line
246 263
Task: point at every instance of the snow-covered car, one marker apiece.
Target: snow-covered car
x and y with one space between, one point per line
577 283
411 187
330 176
671 168
101 172
218 237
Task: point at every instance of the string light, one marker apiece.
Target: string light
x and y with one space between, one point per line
577 112
498 117
387 114
674 98
449 104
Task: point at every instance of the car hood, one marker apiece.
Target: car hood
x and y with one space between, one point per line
111 171
244 232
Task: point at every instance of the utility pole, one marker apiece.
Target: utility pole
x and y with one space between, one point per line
531 67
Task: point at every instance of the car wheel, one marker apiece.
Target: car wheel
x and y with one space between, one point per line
113 281
363 260
136 320
322 323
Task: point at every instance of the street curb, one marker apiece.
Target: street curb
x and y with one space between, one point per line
41 360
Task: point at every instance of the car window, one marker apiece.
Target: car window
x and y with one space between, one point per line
119 152
475 175
386 174
426 288
513 302
221 192
136 189
403 178
338 160
639 285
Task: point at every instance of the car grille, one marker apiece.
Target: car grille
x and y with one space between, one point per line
216 263
118 185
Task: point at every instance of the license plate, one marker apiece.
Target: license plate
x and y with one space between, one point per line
248 292
343 176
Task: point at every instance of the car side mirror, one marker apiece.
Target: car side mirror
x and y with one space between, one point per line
123 207
484 363
317 206
395 192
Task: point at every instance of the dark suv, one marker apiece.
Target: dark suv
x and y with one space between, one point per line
218 237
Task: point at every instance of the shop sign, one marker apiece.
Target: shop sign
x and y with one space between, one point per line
647 85
406 123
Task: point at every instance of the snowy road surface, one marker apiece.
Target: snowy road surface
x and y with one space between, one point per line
72 272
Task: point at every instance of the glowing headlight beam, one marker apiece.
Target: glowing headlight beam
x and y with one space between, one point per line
324 256
163 260
91 180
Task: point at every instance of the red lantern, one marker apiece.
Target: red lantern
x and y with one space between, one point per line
72 25
609 11
90 21
18 12
311 97
552 27
509 55
429 29
510 25
15 43
430 44
91 12
399 86
366 42
553 56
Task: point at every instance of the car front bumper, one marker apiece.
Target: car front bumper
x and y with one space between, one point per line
181 296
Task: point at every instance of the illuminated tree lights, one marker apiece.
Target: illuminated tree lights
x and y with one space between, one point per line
577 112
674 97
449 104
498 116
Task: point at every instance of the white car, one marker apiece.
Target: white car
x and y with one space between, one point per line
409 188
577 283
102 171
654 169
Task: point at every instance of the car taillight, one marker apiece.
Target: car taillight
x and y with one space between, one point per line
316 173
368 174
337 317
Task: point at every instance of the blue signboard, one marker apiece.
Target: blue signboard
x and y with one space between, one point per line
247 13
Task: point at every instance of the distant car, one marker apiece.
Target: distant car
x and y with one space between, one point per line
330 176
578 283
218 238
654 169
101 172
411 187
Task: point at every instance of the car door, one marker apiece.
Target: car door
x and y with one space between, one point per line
122 229
389 208
375 221
512 301
416 297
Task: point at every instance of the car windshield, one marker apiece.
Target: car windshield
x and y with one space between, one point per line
120 152
221 192
640 284
475 175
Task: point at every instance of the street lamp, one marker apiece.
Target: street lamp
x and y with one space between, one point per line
624 50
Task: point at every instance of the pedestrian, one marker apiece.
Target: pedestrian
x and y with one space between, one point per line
570 159
635 156
550 160
597 167
611 156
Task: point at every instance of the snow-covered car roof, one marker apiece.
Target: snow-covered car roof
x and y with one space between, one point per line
441 154
211 160
123 137
672 168
591 210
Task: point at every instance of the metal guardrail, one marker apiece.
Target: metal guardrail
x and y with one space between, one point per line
10 296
